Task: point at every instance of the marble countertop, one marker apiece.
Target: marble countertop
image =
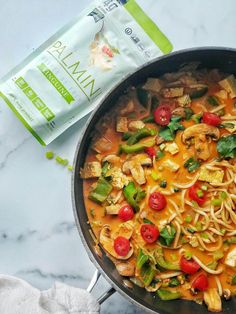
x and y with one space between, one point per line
38 238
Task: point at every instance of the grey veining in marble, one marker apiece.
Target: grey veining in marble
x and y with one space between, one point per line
38 238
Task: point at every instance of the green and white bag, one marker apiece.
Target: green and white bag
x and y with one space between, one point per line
64 79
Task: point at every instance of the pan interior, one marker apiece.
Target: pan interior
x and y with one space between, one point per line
222 58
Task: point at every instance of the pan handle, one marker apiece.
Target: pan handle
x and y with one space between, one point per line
93 283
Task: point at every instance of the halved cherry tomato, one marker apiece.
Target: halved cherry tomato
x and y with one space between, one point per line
189 266
121 246
107 51
149 232
162 115
157 201
150 151
126 213
196 194
211 119
200 283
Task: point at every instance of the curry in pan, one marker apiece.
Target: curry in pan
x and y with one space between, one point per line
160 186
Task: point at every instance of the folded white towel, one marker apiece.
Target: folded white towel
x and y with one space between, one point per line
18 297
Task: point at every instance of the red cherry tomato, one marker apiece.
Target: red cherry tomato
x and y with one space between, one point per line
126 213
189 266
211 118
121 246
196 194
149 232
162 115
157 201
150 151
200 283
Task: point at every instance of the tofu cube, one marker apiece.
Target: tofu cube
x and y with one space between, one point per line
229 84
172 148
173 92
153 84
230 259
172 166
122 124
136 125
211 176
91 169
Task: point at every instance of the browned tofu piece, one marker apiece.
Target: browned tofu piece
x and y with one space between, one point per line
153 84
173 92
229 84
122 124
101 145
91 169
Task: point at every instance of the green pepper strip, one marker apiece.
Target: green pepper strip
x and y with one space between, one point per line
101 192
142 133
133 195
167 295
148 273
141 259
160 260
137 147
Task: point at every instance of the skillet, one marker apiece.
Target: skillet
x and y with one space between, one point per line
210 57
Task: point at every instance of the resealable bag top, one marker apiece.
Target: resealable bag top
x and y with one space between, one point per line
64 79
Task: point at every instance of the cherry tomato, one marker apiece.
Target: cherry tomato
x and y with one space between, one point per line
200 283
189 266
150 151
211 118
162 115
149 232
126 213
196 194
107 51
121 246
157 201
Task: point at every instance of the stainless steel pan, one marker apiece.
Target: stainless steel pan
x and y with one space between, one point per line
212 57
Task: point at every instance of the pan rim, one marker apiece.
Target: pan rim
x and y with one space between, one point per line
91 254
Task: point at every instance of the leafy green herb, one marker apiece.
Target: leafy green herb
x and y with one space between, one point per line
168 132
200 193
192 164
188 113
163 184
174 282
226 146
223 195
167 235
213 101
126 136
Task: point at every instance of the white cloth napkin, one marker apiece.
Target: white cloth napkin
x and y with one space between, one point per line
19 297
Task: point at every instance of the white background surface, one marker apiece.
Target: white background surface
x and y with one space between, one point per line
38 239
